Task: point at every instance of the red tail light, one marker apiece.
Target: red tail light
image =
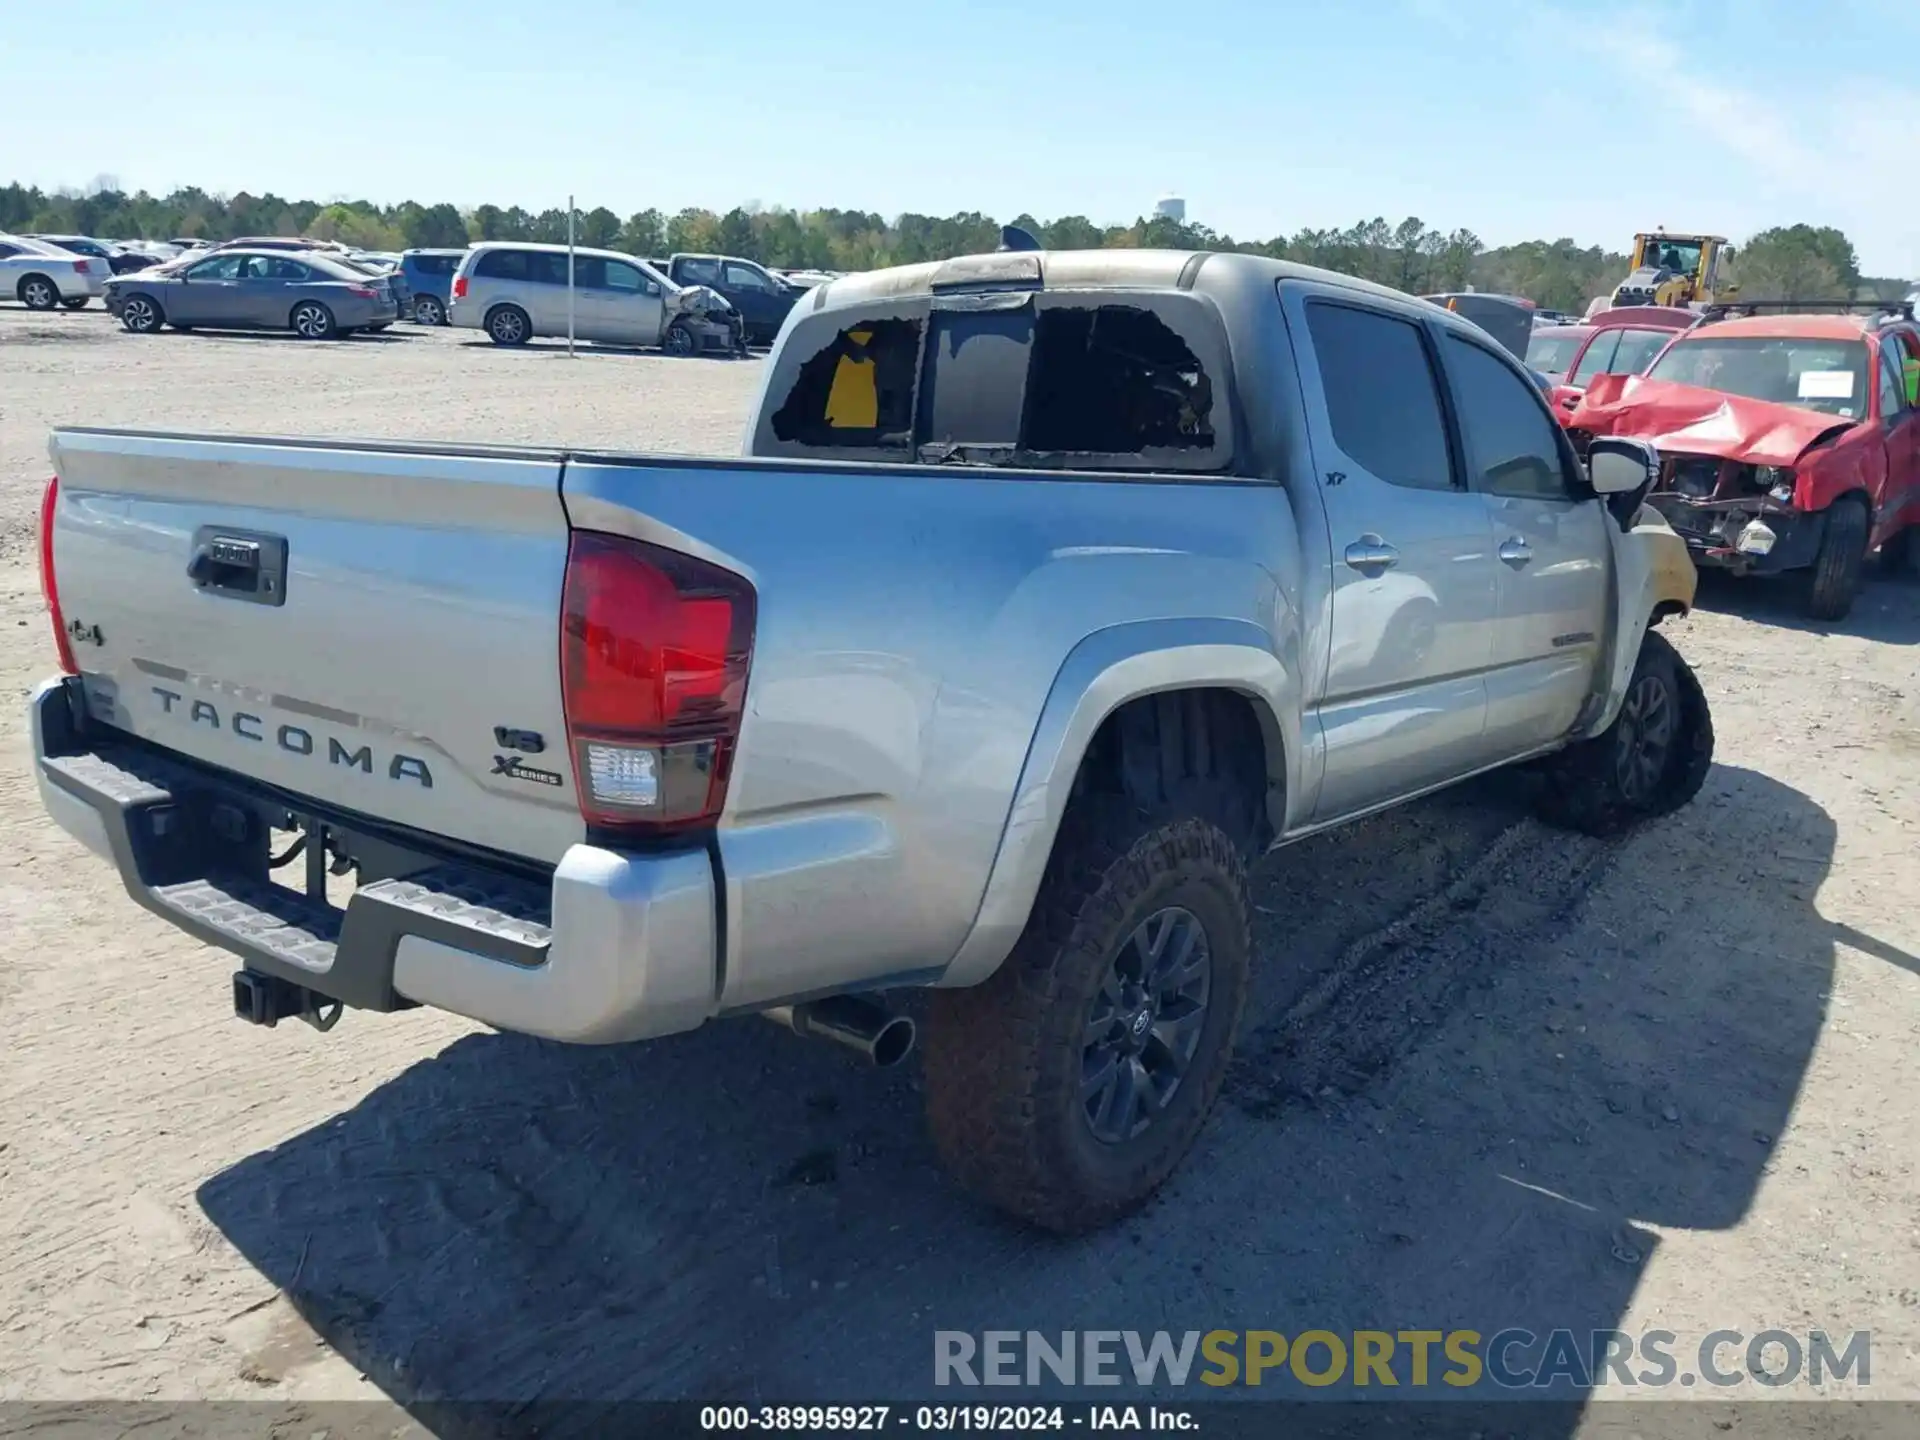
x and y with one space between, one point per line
82 267
49 585
365 292
654 651
459 287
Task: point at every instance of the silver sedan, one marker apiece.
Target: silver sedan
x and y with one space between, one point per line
316 297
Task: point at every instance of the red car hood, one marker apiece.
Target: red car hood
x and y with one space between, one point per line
1694 421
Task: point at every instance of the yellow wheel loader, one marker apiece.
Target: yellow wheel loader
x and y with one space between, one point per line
1674 270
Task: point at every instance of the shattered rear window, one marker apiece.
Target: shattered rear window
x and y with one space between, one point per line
1019 379
857 390
1114 380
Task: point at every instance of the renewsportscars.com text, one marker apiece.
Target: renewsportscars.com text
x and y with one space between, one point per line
1511 1359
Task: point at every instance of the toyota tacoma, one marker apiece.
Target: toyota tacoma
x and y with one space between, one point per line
1050 592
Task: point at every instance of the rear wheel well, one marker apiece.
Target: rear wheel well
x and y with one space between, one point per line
1190 752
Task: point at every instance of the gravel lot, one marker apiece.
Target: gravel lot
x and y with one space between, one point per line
1494 1075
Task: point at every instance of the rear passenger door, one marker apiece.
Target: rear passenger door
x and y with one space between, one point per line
546 292
1413 590
1550 542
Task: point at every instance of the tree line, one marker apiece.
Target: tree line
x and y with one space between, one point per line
1787 262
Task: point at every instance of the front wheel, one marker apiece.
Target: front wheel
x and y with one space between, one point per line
313 321
141 315
1068 1086
680 340
1650 761
1841 559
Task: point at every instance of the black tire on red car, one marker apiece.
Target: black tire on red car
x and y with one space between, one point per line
1841 559
1650 761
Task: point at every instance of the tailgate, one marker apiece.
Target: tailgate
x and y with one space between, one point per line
350 622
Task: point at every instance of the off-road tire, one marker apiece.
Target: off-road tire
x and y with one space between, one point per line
1841 559
1003 1059
1583 787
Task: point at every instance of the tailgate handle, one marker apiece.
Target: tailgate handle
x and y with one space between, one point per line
240 565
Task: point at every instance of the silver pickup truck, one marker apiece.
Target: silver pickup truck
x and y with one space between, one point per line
1051 590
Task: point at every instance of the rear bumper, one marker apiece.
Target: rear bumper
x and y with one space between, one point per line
612 947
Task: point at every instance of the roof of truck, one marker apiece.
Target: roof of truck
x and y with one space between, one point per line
1792 327
1117 269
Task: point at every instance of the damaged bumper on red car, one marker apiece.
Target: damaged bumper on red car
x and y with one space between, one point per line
1746 483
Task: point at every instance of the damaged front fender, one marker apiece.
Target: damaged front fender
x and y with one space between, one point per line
1654 577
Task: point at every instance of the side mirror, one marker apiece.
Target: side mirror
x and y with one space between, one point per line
1619 467
1621 472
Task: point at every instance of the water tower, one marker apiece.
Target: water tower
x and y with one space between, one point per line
1170 207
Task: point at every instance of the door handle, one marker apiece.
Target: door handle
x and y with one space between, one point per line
1370 552
1516 551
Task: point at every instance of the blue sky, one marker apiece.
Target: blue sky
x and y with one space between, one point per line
1517 120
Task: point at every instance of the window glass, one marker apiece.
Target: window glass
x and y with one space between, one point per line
7 252
221 267
1382 399
745 277
1829 376
1550 353
1512 443
1114 380
280 268
1892 383
1599 357
623 277
589 272
1637 349
857 390
546 267
699 272
502 264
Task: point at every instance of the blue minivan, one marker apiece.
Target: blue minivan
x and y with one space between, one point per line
429 274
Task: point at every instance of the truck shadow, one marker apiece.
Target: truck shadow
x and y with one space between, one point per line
1887 608
1481 1054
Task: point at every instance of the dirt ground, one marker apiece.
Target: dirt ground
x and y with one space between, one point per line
1493 1075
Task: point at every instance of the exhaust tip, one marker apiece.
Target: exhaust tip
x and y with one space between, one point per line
894 1042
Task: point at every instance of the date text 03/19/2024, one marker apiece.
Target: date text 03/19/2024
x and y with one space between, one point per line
991 1419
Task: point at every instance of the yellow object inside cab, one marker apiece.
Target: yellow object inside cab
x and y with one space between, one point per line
853 402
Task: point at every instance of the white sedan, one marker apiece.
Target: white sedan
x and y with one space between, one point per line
42 276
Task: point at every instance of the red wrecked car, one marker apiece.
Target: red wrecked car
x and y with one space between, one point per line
1787 442
1621 341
